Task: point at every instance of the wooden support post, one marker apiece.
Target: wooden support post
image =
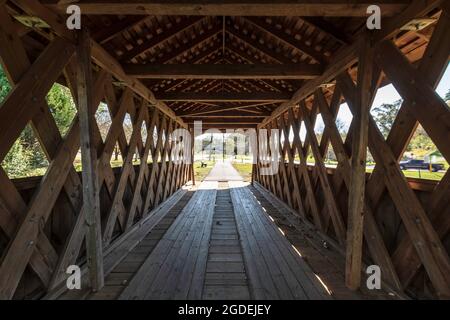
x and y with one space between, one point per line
255 151
358 172
91 198
192 156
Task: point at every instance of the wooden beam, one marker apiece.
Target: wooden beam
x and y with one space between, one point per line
252 121
224 71
417 224
331 8
252 42
224 115
222 126
223 96
358 165
328 28
191 165
91 192
208 36
431 69
372 234
122 181
425 104
156 40
181 83
287 39
99 55
283 85
25 97
348 55
105 34
330 201
216 111
343 60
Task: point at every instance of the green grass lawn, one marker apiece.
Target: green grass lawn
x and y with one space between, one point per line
199 172
244 169
423 174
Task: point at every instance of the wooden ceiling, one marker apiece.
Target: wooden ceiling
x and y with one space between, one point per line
237 62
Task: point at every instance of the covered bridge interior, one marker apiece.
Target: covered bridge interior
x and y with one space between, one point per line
149 230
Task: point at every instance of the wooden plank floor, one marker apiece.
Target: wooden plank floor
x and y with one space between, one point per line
324 259
225 270
122 274
227 240
176 267
277 271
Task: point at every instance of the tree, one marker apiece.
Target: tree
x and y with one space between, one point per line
340 125
26 153
62 107
421 142
5 87
103 119
385 115
16 163
342 128
447 97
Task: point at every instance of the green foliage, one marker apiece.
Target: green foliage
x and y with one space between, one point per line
385 115
26 157
35 156
16 162
103 119
62 107
421 144
447 97
5 87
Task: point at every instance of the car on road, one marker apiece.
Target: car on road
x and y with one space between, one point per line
420 164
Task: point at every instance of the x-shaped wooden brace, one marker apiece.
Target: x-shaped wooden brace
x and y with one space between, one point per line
416 221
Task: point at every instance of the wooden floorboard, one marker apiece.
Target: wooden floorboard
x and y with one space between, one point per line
228 240
180 254
225 272
260 281
291 276
117 280
321 256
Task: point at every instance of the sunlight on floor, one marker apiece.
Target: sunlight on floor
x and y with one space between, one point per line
324 285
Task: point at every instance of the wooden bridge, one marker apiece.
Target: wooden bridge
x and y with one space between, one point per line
149 230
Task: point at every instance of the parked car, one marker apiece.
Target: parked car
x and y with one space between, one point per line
420 164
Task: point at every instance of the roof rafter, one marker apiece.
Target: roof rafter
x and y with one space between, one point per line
258 46
197 59
287 39
347 56
211 33
328 29
223 97
219 109
166 35
104 35
99 55
252 60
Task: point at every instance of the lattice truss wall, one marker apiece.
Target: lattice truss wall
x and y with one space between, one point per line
405 227
42 227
